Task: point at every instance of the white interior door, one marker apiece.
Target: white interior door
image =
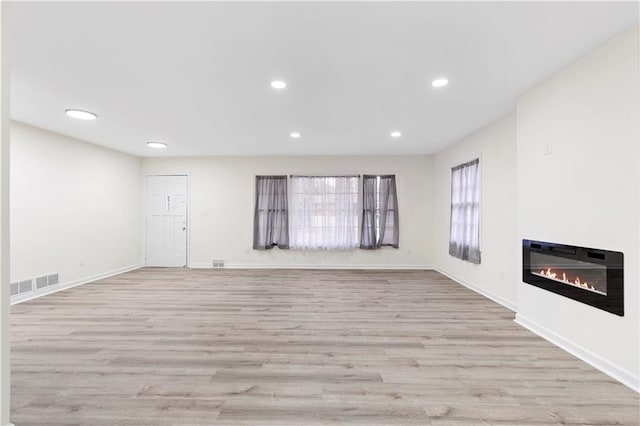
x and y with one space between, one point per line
167 203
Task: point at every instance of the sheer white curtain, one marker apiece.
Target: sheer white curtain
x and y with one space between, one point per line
324 212
464 241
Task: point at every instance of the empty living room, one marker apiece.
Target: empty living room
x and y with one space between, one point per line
310 213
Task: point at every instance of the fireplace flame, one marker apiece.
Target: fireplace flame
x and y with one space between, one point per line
577 282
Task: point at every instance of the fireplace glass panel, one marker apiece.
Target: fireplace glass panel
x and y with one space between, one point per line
577 273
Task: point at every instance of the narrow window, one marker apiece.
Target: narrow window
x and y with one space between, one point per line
380 224
464 236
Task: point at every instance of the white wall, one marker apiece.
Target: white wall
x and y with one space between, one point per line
71 202
222 202
585 193
497 275
5 308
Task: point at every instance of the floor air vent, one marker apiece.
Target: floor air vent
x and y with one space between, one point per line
217 263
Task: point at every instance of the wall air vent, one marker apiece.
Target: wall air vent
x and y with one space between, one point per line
217 263
41 282
25 286
52 279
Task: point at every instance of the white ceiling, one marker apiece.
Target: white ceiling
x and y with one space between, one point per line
197 75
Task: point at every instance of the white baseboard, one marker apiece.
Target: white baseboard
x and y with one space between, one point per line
498 299
312 266
623 376
63 286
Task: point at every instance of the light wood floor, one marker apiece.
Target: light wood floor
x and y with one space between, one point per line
284 347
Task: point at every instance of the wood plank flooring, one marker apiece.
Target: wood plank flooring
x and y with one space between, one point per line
293 347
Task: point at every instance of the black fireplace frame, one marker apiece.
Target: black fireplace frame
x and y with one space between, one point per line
612 302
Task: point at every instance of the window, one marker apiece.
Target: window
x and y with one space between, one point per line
464 237
324 212
380 225
271 219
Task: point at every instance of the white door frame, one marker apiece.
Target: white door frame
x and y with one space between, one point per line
145 209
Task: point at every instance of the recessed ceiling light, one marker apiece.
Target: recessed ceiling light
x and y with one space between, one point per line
82 115
278 84
439 82
295 135
159 145
396 134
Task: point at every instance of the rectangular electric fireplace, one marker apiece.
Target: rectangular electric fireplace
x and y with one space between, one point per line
590 276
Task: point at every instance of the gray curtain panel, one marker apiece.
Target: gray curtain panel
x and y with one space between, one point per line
271 220
368 236
380 224
464 237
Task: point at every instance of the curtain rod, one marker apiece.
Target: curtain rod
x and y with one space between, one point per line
469 163
324 176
